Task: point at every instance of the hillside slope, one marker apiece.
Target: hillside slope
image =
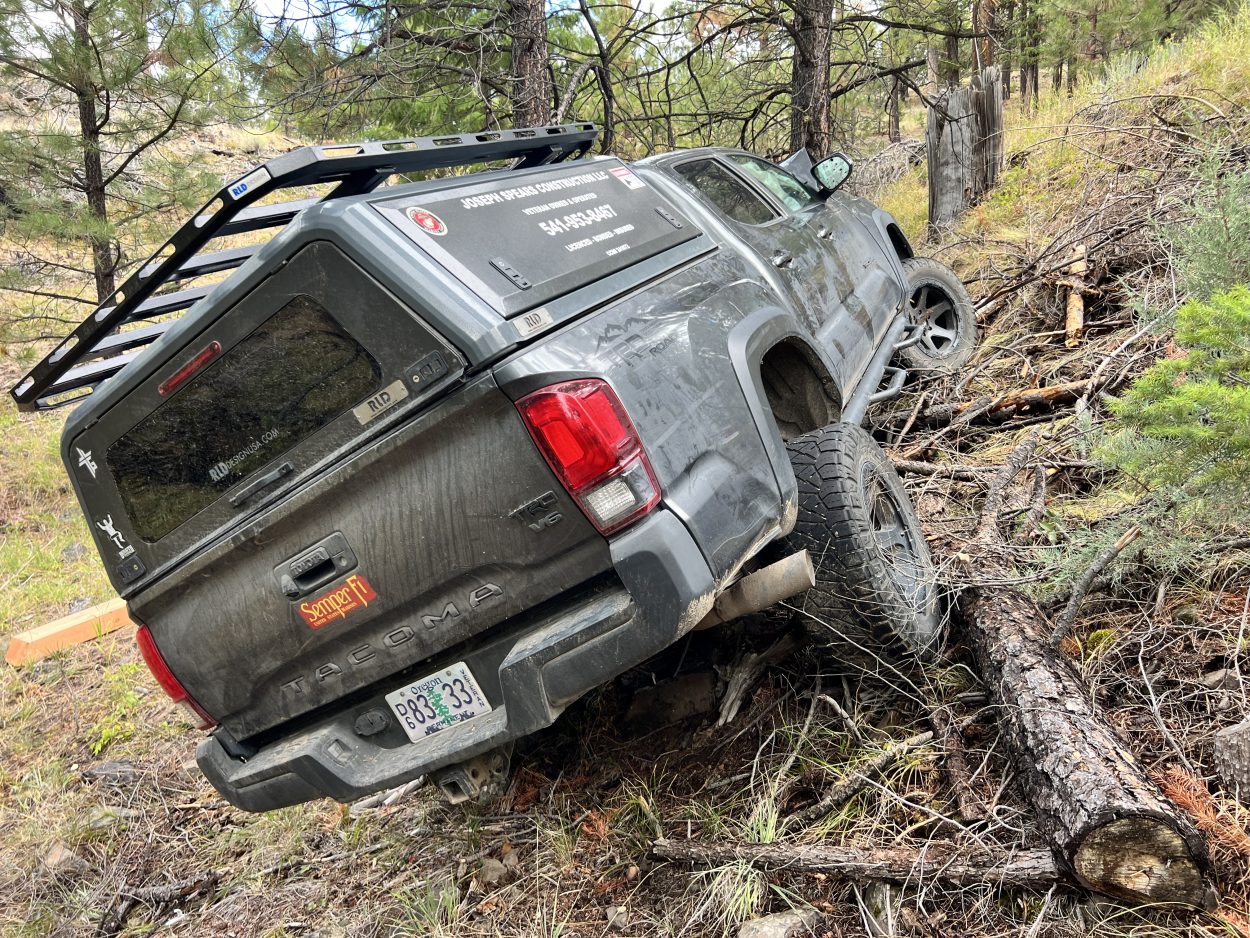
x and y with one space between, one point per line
1129 169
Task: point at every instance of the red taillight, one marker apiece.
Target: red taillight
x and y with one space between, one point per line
179 377
583 432
165 677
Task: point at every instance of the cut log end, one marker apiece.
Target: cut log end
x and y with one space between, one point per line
1232 760
1142 858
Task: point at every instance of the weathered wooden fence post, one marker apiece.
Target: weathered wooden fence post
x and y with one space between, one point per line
965 146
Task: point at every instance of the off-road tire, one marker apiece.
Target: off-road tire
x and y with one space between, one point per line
875 597
939 303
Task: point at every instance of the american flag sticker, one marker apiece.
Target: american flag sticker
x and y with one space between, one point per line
625 176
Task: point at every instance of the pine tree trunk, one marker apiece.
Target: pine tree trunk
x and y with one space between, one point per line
892 108
104 264
1056 77
1008 22
531 80
1232 760
987 22
950 63
809 78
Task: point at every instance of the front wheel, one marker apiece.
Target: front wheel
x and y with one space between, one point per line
939 306
875 596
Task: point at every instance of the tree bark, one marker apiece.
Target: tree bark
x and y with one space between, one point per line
987 143
809 78
1107 823
104 264
935 862
1030 40
892 109
1008 23
950 63
1232 760
931 79
531 80
949 138
964 146
987 22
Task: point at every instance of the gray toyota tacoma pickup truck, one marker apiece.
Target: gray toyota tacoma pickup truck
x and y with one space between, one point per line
393 472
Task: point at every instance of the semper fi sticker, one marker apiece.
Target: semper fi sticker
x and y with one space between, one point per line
339 603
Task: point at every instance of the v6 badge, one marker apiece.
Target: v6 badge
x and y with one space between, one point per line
539 514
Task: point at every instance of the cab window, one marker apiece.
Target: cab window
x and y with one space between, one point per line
719 186
793 194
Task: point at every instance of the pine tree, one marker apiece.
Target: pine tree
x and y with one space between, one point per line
1186 420
107 86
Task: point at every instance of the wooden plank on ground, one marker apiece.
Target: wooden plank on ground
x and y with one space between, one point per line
73 629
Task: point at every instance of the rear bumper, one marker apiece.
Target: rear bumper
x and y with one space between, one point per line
529 676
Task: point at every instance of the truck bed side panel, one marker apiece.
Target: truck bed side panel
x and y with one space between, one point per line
667 352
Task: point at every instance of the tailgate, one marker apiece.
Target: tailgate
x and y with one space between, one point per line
432 523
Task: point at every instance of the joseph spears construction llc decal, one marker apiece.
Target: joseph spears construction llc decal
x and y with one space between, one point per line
355 594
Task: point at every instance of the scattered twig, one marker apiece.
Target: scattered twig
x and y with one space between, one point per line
957 472
987 528
848 722
289 865
1068 617
849 787
911 418
114 920
744 672
971 807
1027 869
1075 283
1037 507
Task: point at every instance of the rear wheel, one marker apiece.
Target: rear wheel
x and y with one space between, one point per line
940 306
875 596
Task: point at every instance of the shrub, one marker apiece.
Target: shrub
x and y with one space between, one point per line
1211 250
1183 427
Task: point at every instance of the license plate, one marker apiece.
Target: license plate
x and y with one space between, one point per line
438 701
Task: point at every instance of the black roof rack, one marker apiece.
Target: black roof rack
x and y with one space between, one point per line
357 168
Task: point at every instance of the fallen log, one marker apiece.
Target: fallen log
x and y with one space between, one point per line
1027 869
1030 400
1106 821
996 409
1108 824
1074 326
957 472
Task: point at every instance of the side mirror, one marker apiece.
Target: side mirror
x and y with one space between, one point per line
833 171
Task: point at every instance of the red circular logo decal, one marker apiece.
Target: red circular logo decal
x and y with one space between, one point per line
427 221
